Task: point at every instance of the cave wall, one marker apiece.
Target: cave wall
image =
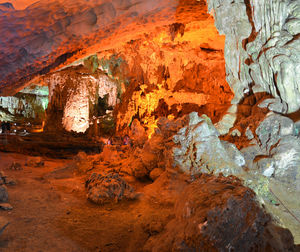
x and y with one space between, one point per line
73 97
262 49
28 104
177 70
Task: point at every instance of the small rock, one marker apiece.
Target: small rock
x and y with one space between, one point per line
155 173
10 181
249 134
103 188
236 132
6 206
35 162
15 166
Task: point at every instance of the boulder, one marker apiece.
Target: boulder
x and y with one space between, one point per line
219 214
15 166
272 128
138 133
199 149
103 188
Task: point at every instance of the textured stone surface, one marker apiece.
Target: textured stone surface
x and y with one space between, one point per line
73 97
29 103
104 188
200 149
262 48
272 128
276 152
219 214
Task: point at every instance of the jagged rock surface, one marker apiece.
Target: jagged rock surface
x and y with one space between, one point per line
201 151
275 153
103 188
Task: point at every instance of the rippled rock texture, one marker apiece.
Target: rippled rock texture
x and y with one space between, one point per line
262 49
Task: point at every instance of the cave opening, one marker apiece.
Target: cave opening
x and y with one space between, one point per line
149 125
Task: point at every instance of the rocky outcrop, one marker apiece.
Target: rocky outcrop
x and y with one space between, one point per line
275 153
201 151
262 49
76 95
219 214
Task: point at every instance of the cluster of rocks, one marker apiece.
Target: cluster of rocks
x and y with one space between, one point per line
35 162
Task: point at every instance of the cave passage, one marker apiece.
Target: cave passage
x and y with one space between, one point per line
149 125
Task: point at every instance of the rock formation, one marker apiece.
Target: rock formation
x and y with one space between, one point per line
261 49
74 97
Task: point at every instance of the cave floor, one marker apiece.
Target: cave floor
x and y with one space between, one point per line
53 214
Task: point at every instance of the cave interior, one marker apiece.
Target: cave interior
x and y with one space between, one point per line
138 125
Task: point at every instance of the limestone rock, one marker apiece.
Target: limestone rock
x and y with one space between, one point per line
75 93
262 48
6 206
104 188
286 157
276 155
138 133
227 121
272 128
236 133
249 133
15 166
200 149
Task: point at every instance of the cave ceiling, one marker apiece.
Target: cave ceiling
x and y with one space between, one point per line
49 35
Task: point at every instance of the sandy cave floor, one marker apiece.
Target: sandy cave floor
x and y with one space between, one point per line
54 215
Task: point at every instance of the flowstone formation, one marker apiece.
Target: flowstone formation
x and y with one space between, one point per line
262 49
76 95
